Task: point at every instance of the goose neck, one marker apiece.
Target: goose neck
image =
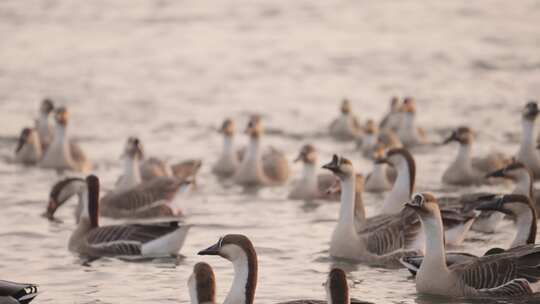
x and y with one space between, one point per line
435 257
348 197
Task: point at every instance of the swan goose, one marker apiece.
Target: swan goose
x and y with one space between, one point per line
408 133
229 159
346 127
527 153
43 124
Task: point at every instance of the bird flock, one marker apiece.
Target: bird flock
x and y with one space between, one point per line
410 230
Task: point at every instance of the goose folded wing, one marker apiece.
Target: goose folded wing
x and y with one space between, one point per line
158 189
394 234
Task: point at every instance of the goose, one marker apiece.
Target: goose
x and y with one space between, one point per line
257 169
379 241
157 198
382 177
408 133
62 154
346 127
17 293
229 160
125 241
373 138
518 206
466 170
512 273
359 210
28 150
43 124
311 185
456 223
523 179
392 119
527 153
239 250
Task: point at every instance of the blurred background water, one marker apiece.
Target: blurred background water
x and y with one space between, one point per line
171 71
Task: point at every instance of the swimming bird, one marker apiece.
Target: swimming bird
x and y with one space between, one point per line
239 250
392 119
229 159
379 241
373 138
456 222
346 127
311 186
512 273
466 170
43 124
126 241
28 150
261 169
523 179
527 153
202 284
17 293
408 133
62 153
382 177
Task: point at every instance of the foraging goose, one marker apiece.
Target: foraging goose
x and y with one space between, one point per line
409 134
373 138
17 293
202 284
517 206
456 222
468 171
239 250
127 241
511 273
28 150
228 162
392 120
157 198
43 124
311 185
63 154
257 169
381 240
346 127
527 153
382 177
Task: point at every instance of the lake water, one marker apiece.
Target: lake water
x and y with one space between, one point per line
171 71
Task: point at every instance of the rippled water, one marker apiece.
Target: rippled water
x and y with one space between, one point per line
170 71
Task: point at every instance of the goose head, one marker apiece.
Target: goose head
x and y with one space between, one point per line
254 127
463 135
409 105
231 247
61 192
515 171
307 155
341 167
46 106
337 288
425 205
345 107
61 116
133 148
530 112
227 128
202 284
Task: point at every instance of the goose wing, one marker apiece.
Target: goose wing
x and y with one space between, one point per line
186 169
21 292
413 263
275 166
152 168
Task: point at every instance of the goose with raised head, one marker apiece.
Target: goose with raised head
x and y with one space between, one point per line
43 124
378 241
62 153
312 186
456 222
229 160
409 134
202 284
126 241
373 138
527 153
382 177
270 168
239 250
512 273
392 119
28 150
518 206
466 170
346 127
17 293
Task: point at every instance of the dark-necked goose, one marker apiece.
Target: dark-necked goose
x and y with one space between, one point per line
527 153
379 240
261 169
239 250
28 150
512 273
202 284
62 153
466 170
43 124
126 241
456 222
311 186
17 293
408 133
346 126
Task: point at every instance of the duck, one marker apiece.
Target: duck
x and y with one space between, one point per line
373 138
156 198
457 222
382 177
377 241
17 293
512 273
527 153
311 186
346 127
238 249
518 206
43 123
392 119
129 241
62 153
229 159
466 170
260 169
408 133
28 150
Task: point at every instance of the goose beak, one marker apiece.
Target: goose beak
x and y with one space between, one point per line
333 165
450 138
51 209
212 250
498 173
